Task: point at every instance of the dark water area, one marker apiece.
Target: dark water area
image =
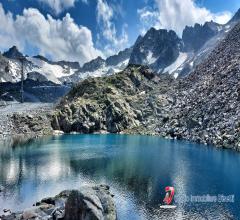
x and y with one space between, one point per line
137 168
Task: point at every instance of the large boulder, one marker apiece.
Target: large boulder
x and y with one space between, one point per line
91 204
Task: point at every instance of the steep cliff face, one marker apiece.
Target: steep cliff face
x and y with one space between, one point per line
195 37
157 49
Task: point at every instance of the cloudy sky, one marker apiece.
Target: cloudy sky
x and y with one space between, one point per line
80 30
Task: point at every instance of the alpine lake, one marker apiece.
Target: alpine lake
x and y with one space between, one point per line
137 169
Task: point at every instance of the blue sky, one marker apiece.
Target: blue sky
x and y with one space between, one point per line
84 29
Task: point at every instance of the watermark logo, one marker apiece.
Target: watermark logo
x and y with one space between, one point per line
169 195
184 198
205 198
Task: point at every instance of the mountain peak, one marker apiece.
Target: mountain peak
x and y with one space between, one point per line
13 53
236 17
120 57
93 64
157 49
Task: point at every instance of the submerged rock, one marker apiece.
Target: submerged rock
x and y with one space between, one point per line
87 203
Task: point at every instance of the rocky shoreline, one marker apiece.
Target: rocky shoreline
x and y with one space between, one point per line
89 202
20 121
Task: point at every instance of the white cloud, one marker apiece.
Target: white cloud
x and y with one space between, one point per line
114 41
8 34
148 18
176 14
61 39
59 5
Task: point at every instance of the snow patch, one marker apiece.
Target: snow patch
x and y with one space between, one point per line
51 71
177 64
150 59
104 70
15 70
141 50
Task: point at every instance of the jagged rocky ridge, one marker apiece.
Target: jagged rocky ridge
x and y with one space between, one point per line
39 67
101 67
203 107
195 37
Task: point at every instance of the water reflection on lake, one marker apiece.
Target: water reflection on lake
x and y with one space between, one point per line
136 167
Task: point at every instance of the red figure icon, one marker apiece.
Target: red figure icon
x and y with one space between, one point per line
169 195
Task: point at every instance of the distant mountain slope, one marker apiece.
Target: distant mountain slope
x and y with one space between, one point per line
58 71
196 44
11 67
13 53
236 17
122 56
34 91
52 71
100 67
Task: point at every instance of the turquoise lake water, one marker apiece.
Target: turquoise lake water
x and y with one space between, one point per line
137 169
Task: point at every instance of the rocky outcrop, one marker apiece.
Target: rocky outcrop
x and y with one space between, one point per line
89 202
31 125
4 69
117 103
36 76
